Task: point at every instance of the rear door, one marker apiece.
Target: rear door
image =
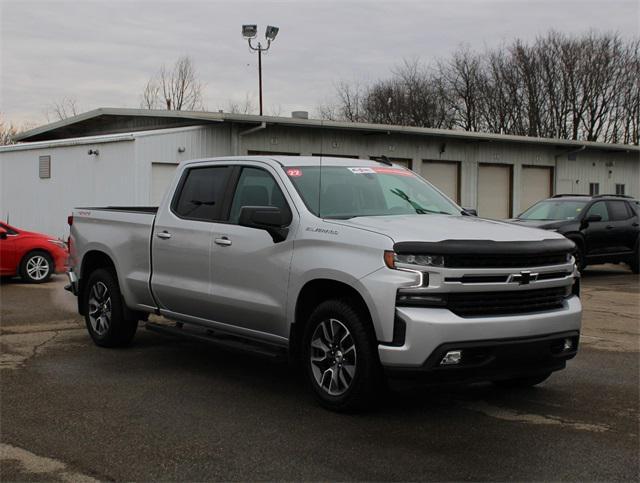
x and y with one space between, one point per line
251 271
622 232
182 237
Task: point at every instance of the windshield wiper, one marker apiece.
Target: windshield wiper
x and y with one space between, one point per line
419 209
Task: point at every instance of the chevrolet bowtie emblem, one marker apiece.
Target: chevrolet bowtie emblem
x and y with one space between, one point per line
523 278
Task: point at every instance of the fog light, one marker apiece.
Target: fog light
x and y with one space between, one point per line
568 345
451 357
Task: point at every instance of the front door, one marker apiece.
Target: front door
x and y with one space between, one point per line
8 262
251 271
598 233
181 245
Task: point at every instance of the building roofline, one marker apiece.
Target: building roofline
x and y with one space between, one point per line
106 138
208 117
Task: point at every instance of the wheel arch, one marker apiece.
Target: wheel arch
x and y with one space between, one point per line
315 292
92 261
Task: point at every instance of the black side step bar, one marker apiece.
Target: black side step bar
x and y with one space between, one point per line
220 339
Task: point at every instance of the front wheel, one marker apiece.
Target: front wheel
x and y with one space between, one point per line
579 257
36 267
634 264
339 352
104 311
528 381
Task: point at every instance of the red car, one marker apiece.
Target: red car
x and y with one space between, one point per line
33 256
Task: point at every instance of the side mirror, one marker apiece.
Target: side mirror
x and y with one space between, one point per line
589 219
469 211
3 234
269 218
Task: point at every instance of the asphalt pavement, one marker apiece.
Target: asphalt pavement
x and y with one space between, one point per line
170 409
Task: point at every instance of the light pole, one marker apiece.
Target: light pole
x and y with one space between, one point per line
250 32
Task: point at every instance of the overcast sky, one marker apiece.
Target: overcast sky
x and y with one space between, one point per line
102 52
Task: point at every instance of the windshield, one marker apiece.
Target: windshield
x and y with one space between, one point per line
554 210
348 192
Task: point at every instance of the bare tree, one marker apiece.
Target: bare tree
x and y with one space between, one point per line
246 107
7 132
176 88
583 87
151 95
62 109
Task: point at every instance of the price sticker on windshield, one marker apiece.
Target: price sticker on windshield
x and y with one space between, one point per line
362 170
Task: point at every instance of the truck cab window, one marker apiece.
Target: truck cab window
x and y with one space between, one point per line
256 187
202 193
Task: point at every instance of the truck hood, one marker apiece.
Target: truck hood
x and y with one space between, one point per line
435 228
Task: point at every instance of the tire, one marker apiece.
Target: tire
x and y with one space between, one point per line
634 264
104 311
521 382
339 356
580 258
36 267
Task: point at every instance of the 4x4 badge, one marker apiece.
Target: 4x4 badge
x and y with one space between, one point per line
523 278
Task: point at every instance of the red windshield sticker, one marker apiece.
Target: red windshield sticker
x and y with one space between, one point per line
394 171
294 172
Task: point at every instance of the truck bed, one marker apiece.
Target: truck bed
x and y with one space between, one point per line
124 234
132 209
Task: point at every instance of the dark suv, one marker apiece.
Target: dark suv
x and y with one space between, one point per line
605 228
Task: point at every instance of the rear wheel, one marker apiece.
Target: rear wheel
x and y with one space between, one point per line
104 311
339 352
528 381
36 267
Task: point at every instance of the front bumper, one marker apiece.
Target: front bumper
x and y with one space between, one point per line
492 360
427 329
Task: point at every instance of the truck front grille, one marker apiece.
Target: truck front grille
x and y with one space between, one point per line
504 260
508 302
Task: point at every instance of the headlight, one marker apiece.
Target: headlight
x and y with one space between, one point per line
59 243
391 259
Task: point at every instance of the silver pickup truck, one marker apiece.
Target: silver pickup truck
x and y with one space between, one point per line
359 271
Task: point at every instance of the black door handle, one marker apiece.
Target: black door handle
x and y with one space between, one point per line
635 224
609 227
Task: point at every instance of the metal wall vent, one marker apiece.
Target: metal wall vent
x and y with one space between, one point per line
44 168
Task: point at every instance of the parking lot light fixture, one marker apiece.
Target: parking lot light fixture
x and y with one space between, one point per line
250 32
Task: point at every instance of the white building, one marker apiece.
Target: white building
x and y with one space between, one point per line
128 156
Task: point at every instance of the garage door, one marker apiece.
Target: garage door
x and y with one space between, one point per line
161 176
445 176
535 185
494 191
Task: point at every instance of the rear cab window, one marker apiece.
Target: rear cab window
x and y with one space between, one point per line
201 193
